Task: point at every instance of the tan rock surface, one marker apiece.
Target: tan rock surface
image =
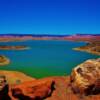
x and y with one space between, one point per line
85 77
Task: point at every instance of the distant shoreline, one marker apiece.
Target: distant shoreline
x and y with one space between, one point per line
24 37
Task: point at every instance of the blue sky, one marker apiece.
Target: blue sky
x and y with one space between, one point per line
50 16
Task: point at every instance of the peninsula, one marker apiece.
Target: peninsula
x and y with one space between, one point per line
90 47
6 47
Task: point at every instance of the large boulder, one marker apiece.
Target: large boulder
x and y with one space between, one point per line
85 78
33 90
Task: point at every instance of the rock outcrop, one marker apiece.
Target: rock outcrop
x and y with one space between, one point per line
62 88
33 90
85 78
4 89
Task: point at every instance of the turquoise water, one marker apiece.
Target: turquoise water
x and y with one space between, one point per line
45 58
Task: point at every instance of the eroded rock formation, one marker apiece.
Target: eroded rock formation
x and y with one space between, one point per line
33 90
85 78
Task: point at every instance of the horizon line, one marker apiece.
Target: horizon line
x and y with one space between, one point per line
49 34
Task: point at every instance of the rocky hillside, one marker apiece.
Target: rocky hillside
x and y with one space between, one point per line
82 84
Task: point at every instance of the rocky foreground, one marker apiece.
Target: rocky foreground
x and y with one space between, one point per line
82 84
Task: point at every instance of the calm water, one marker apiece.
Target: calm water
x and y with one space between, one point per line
45 58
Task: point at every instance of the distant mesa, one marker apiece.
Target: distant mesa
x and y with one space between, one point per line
24 37
4 60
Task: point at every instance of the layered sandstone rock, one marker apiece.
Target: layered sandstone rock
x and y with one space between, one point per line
85 78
